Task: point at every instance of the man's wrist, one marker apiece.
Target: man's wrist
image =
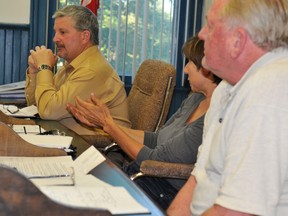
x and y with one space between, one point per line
44 67
32 72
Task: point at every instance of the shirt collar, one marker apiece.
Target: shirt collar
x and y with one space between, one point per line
80 58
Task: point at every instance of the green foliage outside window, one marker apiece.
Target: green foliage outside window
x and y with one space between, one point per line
159 31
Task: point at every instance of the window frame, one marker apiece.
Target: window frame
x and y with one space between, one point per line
185 26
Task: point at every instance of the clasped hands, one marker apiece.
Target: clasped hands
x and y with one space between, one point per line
39 56
92 112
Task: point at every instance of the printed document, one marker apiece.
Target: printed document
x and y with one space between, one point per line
68 182
116 199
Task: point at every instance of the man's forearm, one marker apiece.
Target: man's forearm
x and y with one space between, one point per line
217 210
181 204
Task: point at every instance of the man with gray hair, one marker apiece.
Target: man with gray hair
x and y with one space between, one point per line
85 71
242 164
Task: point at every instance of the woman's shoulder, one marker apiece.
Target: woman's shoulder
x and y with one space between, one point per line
194 97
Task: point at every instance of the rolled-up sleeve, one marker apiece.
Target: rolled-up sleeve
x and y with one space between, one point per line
30 88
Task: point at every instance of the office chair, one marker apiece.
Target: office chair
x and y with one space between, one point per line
150 96
11 144
16 121
19 196
161 169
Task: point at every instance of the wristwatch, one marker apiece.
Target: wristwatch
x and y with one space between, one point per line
44 67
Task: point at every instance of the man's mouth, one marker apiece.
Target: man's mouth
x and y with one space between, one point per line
59 46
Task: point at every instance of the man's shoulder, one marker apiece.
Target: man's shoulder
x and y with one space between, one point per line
91 59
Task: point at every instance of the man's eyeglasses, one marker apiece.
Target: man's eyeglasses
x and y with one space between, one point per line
11 108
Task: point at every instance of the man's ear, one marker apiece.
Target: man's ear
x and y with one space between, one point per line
86 36
238 42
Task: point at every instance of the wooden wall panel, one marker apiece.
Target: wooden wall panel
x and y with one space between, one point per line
13 53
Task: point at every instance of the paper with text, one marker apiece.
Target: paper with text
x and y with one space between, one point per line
60 170
39 166
88 160
116 199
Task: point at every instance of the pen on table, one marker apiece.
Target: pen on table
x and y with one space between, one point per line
24 129
49 176
68 150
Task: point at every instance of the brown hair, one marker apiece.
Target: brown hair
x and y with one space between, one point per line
193 50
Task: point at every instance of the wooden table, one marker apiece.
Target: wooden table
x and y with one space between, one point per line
107 171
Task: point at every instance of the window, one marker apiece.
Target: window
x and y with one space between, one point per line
132 31
185 18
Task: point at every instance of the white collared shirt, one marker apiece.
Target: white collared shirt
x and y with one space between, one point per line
243 163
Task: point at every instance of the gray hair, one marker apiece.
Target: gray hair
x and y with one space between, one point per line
266 21
84 19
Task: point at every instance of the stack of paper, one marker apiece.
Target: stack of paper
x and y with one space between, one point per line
67 182
30 133
14 111
48 141
13 90
43 170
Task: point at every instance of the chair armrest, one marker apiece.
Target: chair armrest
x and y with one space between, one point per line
110 148
98 140
164 170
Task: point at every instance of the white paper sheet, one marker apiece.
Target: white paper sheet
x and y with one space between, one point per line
48 141
12 86
14 111
53 170
88 160
44 170
116 199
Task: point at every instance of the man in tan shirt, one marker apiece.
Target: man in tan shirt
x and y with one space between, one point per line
85 71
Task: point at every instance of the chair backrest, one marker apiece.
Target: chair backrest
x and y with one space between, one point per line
11 144
16 121
19 196
150 96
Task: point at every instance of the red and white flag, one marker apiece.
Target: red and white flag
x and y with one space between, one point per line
93 5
